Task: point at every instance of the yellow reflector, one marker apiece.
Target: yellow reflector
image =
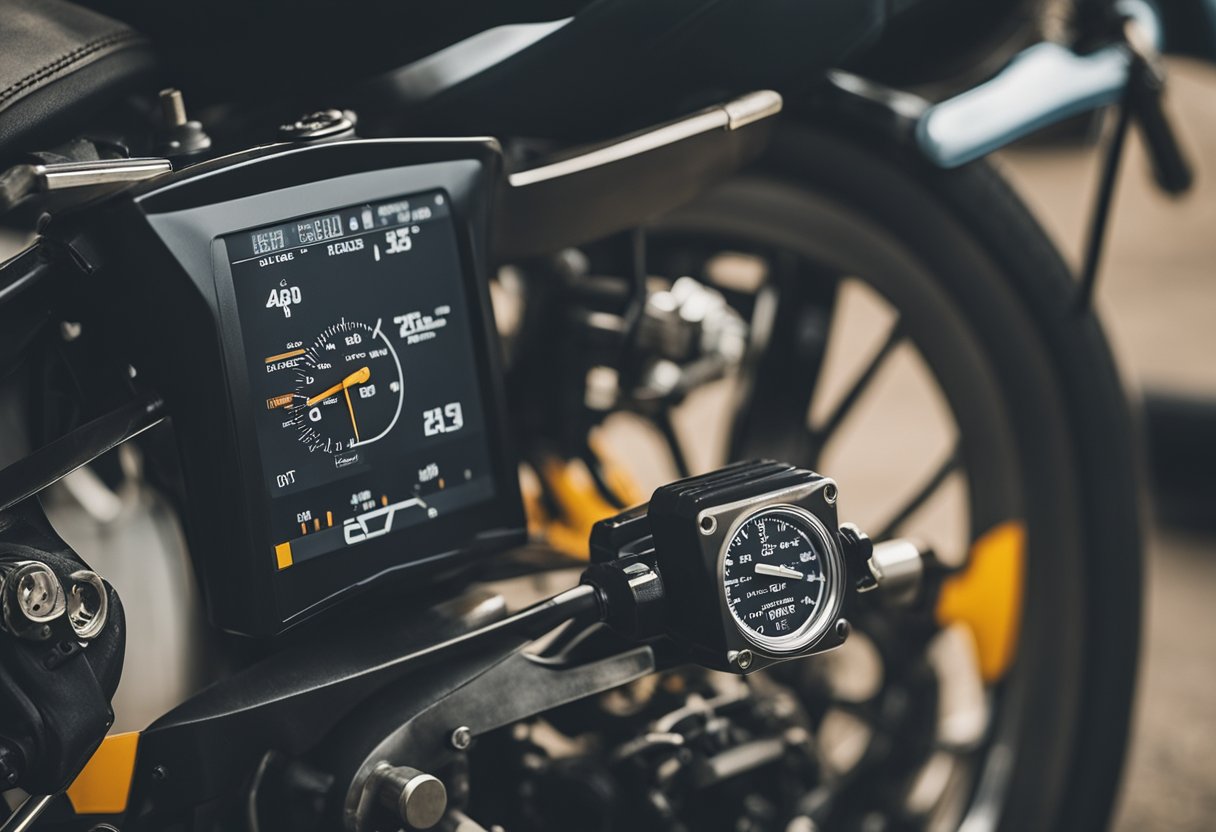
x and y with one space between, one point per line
987 596
103 786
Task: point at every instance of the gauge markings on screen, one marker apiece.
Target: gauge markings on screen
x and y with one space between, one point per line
349 389
358 341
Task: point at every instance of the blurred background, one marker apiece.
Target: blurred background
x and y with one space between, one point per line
1157 296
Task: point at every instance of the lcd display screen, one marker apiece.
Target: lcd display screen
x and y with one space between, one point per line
359 349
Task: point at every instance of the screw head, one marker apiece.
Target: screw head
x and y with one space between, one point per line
462 738
744 659
830 494
708 524
160 773
842 628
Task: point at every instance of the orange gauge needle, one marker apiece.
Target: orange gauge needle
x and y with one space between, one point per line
351 408
359 376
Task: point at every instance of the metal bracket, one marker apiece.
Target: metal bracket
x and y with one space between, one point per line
480 707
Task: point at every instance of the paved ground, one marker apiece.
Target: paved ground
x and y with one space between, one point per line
1158 297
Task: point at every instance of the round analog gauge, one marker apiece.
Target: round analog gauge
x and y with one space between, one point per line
349 388
778 576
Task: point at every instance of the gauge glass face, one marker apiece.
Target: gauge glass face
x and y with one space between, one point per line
359 347
775 579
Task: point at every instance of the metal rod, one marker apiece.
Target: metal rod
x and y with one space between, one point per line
27 813
1102 208
894 338
667 428
922 495
57 459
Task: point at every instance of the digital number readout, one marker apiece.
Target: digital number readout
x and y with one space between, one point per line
265 242
319 230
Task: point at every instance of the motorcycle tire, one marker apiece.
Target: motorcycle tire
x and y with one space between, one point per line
993 275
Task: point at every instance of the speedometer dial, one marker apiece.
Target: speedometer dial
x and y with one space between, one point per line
775 578
349 388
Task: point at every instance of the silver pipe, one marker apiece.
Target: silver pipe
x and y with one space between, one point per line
27 813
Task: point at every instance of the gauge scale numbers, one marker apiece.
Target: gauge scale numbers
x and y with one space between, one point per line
359 348
774 579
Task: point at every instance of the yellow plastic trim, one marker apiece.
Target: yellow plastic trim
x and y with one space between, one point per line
578 502
104 785
987 597
282 554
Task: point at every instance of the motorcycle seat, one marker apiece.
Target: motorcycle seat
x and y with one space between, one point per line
61 64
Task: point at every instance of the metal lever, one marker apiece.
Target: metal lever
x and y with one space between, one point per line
624 182
19 181
1146 87
64 175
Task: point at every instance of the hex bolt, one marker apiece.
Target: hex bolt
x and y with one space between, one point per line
462 738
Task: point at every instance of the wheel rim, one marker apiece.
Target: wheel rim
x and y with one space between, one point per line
927 321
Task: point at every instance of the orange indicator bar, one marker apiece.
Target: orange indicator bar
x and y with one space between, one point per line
329 518
282 554
283 355
278 401
316 524
383 499
303 528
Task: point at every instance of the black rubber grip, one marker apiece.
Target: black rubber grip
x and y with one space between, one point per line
1171 168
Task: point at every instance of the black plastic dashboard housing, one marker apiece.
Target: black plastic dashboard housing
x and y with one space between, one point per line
177 313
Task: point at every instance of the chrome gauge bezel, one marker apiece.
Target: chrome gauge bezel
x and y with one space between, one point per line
833 569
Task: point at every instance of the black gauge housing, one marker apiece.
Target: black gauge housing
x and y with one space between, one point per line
693 522
178 313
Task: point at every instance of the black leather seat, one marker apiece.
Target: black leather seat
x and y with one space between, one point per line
59 65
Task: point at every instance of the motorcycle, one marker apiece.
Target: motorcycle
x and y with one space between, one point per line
351 417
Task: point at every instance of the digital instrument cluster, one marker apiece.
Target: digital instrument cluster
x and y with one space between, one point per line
324 341
358 349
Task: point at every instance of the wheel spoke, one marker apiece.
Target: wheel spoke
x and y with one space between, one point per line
824 432
788 352
667 428
947 467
